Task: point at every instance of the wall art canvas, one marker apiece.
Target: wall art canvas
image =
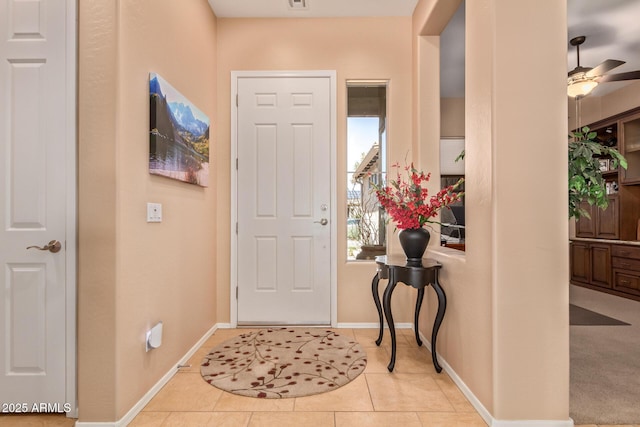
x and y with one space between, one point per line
178 135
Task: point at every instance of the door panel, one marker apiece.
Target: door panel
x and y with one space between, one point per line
580 262
33 180
586 226
601 265
284 249
608 220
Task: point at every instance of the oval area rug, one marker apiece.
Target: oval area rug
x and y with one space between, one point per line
284 362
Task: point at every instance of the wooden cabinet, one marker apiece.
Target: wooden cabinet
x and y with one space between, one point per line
630 147
613 268
602 256
579 261
608 220
600 265
626 269
603 224
586 225
620 220
591 264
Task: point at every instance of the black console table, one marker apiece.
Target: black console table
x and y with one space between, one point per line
418 275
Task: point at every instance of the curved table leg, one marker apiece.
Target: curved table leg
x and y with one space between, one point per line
415 322
376 299
387 312
442 306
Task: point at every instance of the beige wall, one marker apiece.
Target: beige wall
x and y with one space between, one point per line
133 274
452 117
97 80
506 329
465 338
531 339
594 108
357 48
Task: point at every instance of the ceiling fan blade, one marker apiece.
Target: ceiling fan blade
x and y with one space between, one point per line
605 66
630 75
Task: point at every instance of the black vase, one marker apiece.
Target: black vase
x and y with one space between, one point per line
414 242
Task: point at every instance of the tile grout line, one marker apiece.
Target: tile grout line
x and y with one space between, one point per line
435 379
366 379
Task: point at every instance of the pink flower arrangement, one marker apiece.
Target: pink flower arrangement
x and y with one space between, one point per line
408 203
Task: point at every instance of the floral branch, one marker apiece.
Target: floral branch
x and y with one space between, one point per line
407 201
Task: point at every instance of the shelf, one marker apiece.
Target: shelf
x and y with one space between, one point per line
620 220
633 148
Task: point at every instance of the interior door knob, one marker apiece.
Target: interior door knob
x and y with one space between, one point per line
323 221
53 246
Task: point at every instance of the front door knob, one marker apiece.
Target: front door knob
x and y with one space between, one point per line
323 221
53 246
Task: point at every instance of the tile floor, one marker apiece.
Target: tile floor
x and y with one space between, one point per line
413 395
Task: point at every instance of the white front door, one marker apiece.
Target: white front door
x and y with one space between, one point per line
283 200
36 130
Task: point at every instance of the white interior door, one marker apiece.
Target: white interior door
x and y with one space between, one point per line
283 200
35 128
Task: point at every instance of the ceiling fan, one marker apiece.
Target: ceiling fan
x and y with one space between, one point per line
582 80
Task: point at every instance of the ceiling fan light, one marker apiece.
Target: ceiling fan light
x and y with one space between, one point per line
581 88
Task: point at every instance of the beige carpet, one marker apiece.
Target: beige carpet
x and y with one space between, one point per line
605 362
284 362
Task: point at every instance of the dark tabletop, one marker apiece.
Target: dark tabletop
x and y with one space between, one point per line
401 261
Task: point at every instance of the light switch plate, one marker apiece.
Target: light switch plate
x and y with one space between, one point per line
154 212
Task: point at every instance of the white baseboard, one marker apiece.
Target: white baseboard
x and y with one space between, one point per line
482 411
375 325
129 416
475 402
224 325
532 423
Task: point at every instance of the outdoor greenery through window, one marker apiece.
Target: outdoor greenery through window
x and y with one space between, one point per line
366 166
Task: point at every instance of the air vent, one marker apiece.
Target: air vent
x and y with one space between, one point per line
298 4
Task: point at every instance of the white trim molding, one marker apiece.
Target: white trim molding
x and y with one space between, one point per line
532 423
71 208
482 411
375 325
135 410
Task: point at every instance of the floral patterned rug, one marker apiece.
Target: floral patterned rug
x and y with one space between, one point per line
284 362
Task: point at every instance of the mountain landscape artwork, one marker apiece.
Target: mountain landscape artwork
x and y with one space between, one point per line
178 135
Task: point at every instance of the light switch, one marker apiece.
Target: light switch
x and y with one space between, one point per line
154 212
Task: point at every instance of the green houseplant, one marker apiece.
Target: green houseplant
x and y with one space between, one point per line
585 178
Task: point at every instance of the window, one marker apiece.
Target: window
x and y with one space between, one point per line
452 125
366 168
